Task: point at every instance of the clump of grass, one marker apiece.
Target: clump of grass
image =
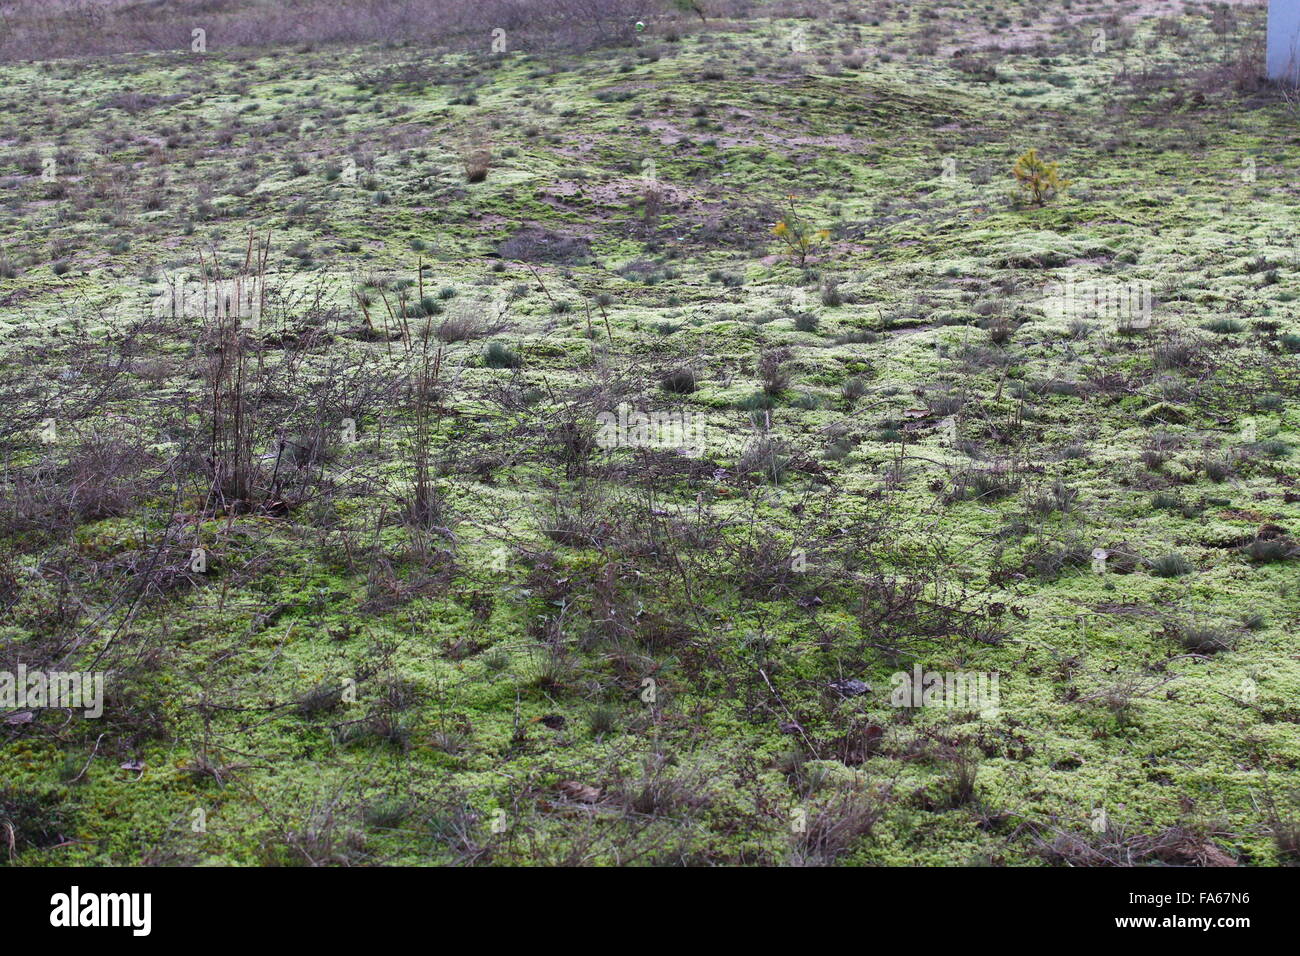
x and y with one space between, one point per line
476 160
806 322
981 484
857 336
945 403
500 355
833 829
602 720
386 814
452 742
1154 458
1223 326
1167 501
1270 550
854 387
680 381
426 306
1200 638
1074 452
1173 353
460 328
552 670
1172 565
773 372
1000 330
1217 470
758 401
1060 497
768 457
320 699
838 450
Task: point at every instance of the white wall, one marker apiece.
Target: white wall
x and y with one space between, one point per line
1283 39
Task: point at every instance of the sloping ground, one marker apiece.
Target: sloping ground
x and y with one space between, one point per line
47 29
438 618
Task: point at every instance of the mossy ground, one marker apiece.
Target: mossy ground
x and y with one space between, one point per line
493 663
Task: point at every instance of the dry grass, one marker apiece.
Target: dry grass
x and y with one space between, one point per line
46 29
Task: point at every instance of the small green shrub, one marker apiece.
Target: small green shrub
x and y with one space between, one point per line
798 236
499 355
1039 181
806 322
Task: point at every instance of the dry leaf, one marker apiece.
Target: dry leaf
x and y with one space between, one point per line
575 790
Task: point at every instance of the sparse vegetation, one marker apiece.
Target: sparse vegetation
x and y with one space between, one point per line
544 510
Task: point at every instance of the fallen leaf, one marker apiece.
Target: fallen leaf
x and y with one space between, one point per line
581 792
